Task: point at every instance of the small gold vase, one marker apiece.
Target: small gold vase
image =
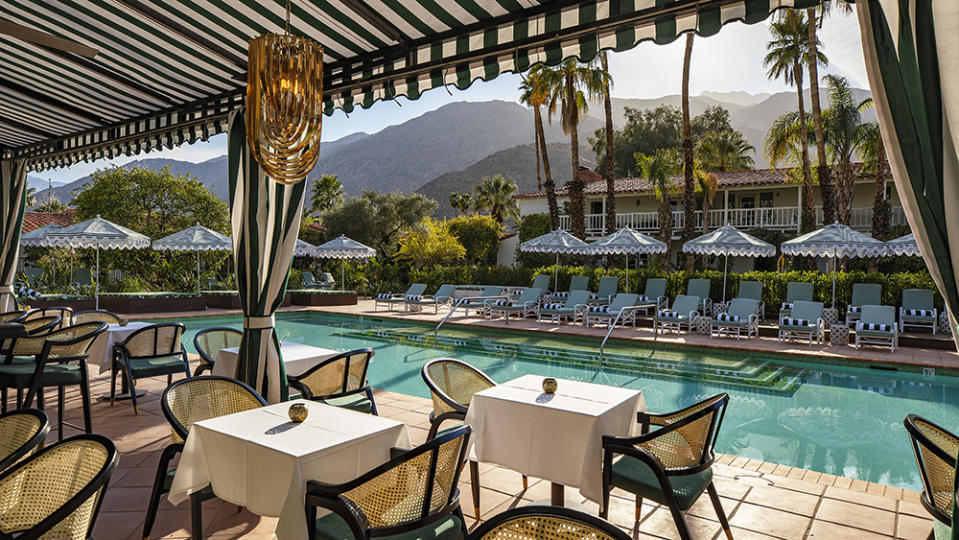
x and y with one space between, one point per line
549 385
298 412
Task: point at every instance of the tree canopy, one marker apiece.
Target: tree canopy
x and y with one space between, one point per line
378 219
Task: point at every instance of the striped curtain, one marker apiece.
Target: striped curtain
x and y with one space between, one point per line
13 184
266 220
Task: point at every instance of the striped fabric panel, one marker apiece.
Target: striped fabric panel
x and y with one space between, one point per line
13 182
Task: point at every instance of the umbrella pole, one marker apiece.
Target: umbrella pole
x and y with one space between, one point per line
725 269
556 274
96 287
197 271
343 274
627 272
834 262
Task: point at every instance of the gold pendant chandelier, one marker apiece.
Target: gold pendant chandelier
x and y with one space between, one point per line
284 103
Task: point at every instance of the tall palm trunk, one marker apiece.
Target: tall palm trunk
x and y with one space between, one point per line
845 187
826 187
539 178
608 172
549 185
879 218
809 215
665 227
688 185
577 213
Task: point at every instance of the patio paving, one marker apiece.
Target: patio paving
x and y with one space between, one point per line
763 500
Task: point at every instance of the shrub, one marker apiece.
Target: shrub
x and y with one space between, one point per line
531 226
479 235
431 244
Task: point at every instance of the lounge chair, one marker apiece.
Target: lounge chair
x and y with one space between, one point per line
607 314
654 297
576 283
443 296
556 312
753 290
326 281
684 310
608 286
863 294
541 282
523 306
804 320
481 306
308 282
389 299
918 309
742 314
877 326
702 288
795 291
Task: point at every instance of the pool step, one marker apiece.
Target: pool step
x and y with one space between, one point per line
742 372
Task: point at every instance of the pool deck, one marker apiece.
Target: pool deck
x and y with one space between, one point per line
762 500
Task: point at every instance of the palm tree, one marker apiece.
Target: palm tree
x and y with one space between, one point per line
708 185
873 153
813 59
784 140
536 95
785 56
31 197
572 86
327 194
659 170
844 130
495 194
727 150
461 202
608 170
688 165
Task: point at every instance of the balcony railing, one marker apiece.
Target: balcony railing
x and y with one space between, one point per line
781 218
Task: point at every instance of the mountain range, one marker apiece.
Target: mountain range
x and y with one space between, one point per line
453 147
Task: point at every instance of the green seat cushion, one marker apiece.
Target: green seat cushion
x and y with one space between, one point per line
636 477
355 402
876 333
53 374
157 365
332 527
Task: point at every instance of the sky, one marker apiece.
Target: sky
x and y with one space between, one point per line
728 61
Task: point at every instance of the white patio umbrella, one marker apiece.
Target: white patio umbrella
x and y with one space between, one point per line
36 237
728 240
904 245
303 249
96 233
558 242
196 238
343 248
626 242
835 241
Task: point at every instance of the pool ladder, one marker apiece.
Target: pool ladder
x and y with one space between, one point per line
470 299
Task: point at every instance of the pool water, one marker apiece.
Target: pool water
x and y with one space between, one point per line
834 419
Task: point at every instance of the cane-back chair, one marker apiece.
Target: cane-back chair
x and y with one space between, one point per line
547 523
65 314
935 450
101 315
148 352
414 495
339 381
184 403
210 341
671 465
57 493
21 432
12 316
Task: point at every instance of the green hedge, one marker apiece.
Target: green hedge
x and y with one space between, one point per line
118 295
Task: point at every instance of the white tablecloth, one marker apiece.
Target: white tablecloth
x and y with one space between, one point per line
297 358
261 460
101 351
558 437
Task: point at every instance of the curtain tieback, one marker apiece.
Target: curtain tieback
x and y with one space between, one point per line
6 289
254 323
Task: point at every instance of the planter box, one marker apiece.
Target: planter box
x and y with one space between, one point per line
345 298
222 301
80 304
153 305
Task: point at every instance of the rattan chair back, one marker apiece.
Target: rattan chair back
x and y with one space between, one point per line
100 315
21 432
344 373
12 316
452 384
209 341
935 450
42 325
547 523
688 436
154 340
192 400
57 493
65 314
70 342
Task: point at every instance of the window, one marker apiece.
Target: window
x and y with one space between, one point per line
766 200
596 207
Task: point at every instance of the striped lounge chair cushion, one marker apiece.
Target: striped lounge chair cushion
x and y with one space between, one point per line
787 305
599 309
561 294
413 298
556 305
725 317
643 298
384 296
918 312
668 314
502 303
789 321
853 309
877 327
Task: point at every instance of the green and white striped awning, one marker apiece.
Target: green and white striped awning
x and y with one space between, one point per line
167 71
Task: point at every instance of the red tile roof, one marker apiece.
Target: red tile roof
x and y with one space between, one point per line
35 220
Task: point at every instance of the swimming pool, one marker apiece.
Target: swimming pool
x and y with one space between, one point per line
835 419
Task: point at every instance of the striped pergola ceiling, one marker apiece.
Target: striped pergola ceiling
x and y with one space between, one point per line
169 71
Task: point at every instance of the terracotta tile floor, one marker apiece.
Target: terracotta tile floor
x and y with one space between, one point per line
762 500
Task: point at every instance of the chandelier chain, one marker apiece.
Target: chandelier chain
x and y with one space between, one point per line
288 17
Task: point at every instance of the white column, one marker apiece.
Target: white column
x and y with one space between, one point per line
725 207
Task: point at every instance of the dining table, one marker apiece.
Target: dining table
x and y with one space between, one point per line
554 436
298 358
260 460
101 353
